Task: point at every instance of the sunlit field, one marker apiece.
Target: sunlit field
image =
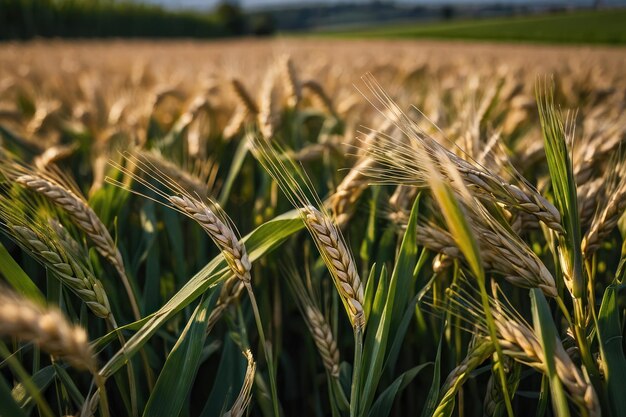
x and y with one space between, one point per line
312 228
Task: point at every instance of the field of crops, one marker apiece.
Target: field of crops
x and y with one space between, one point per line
589 26
312 228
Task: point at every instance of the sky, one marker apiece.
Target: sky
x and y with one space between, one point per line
252 4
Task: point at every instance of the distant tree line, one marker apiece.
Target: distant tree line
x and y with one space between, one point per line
27 19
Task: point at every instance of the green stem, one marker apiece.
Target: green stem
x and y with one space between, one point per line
356 371
340 396
130 371
581 338
494 338
104 401
268 356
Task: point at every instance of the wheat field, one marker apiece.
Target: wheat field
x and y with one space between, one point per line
299 227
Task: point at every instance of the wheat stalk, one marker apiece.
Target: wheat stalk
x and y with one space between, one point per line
325 233
267 116
48 328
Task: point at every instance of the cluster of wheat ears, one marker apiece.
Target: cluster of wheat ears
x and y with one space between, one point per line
464 253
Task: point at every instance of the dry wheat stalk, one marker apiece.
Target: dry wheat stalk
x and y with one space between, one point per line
244 97
245 395
267 116
338 260
291 82
604 221
47 328
589 196
85 219
317 90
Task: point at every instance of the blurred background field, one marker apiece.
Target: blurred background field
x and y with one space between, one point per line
534 20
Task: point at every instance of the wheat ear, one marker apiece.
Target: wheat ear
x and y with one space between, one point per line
455 380
68 269
86 219
325 233
324 340
604 222
47 328
234 252
245 395
244 97
316 322
291 82
339 261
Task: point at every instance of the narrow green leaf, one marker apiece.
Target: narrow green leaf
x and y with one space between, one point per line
384 402
563 186
370 286
17 278
394 304
398 338
433 393
612 353
69 385
230 372
179 371
547 334
235 167
375 315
